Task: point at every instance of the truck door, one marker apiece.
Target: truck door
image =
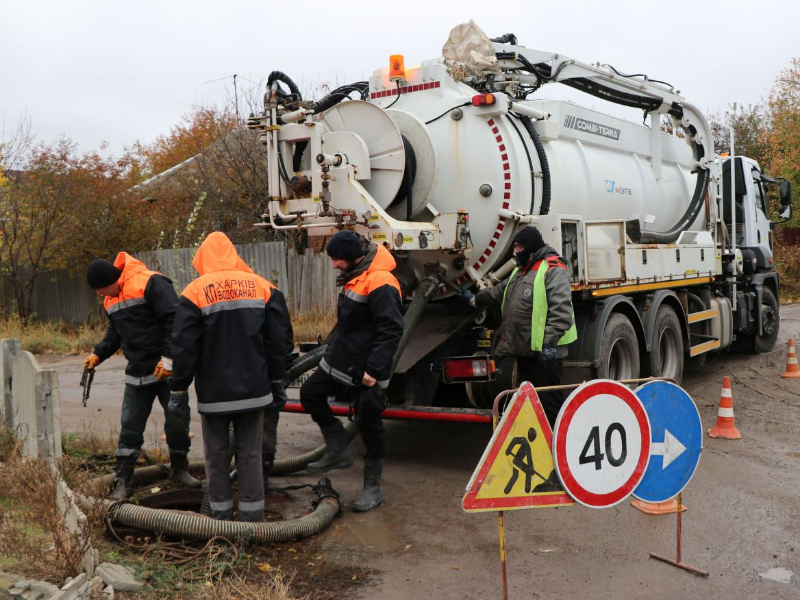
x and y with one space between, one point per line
760 234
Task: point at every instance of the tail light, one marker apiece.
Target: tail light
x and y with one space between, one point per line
468 368
483 100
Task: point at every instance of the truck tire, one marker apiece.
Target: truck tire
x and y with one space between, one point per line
666 349
770 322
619 349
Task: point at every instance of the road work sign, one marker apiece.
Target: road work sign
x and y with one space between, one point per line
602 443
516 470
676 443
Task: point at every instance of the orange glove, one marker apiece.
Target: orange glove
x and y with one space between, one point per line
92 361
163 368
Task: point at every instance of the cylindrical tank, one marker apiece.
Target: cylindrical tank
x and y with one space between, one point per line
600 166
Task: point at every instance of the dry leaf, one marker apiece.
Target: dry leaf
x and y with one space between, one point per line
456 568
265 567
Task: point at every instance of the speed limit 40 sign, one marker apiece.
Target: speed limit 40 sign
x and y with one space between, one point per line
602 443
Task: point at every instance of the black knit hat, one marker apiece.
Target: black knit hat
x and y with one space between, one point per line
102 273
345 245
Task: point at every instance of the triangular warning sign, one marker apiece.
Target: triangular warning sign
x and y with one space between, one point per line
516 469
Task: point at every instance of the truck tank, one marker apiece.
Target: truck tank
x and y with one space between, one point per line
483 160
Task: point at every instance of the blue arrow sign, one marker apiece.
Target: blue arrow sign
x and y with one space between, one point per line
677 440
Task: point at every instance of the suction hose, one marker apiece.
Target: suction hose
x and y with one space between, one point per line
200 527
427 289
545 165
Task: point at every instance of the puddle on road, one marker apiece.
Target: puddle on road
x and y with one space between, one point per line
368 532
779 574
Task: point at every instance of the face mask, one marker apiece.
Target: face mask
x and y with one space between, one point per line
522 257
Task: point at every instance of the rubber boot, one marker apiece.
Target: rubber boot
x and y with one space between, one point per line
266 467
179 473
336 456
372 494
124 480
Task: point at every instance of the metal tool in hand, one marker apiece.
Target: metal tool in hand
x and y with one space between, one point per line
86 383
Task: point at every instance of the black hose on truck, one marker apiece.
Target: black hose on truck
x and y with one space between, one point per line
537 144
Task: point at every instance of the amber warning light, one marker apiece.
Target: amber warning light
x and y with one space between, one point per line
397 68
468 368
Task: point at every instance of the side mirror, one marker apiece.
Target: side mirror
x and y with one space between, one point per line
786 192
785 188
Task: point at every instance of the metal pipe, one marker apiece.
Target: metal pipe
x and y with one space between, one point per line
419 414
528 111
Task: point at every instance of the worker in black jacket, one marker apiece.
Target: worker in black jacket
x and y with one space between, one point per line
227 339
358 360
141 307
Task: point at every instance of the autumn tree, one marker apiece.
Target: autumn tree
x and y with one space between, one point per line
215 170
783 138
750 126
34 197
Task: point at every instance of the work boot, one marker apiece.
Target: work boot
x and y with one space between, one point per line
336 454
266 468
372 494
179 471
124 480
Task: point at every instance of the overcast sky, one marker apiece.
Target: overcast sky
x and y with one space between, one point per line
120 71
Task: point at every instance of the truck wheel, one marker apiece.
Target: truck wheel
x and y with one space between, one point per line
770 322
619 349
666 354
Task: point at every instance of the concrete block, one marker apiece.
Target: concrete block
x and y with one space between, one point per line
119 577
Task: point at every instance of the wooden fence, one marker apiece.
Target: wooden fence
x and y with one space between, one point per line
307 280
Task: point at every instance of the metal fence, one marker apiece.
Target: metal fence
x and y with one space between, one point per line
307 280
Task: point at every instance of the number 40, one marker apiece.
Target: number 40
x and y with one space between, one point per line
593 445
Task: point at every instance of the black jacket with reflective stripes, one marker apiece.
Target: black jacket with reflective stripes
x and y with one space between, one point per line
370 321
140 319
227 336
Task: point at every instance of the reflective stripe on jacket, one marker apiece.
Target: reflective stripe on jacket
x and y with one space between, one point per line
370 321
140 319
227 336
515 333
539 312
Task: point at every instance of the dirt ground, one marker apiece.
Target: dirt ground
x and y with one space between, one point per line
743 517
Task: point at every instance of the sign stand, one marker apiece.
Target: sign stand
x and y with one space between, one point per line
500 519
677 562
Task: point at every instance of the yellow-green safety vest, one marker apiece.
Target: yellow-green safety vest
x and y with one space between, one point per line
539 312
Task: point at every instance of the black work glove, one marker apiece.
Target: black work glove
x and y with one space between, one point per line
468 297
278 388
177 400
548 357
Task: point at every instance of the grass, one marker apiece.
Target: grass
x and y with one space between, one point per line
51 338
310 325
32 535
66 338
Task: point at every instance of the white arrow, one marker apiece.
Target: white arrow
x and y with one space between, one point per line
670 448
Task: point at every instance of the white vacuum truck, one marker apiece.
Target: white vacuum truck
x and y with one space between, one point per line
444 162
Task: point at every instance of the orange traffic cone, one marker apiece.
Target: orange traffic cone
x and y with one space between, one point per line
658 508
792 369
725 427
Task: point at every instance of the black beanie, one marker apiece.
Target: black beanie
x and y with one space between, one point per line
345 245
531 240
102 273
